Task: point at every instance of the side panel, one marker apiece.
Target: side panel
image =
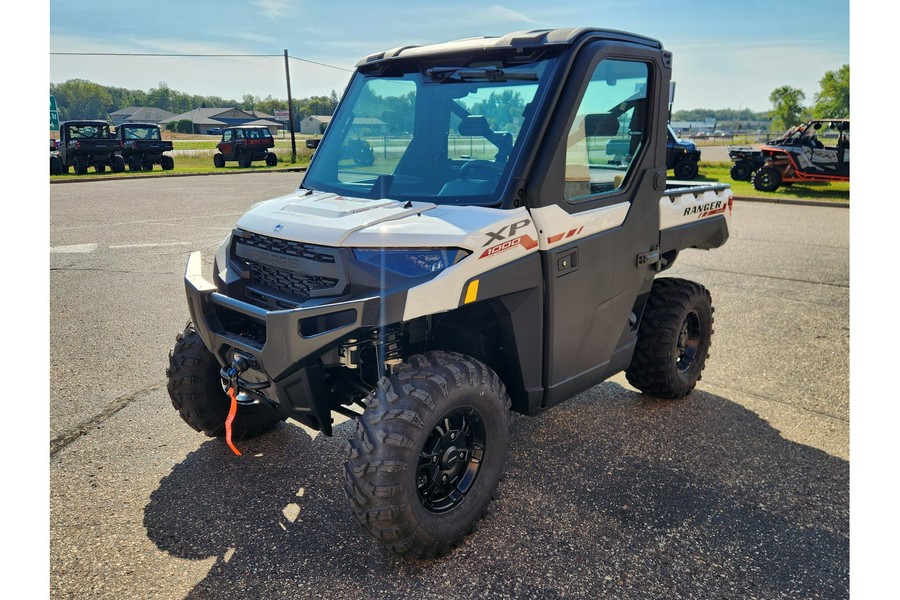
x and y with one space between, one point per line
499 321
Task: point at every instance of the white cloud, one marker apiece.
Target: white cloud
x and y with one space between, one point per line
504 14
275 9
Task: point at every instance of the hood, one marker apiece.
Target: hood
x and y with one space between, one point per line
327 219
324 218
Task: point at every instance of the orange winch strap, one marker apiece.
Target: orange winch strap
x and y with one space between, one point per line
231 413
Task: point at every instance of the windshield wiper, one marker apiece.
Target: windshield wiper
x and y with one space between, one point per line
444 74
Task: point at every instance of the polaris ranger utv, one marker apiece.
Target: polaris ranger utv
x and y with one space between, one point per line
143 146
84 144
491 258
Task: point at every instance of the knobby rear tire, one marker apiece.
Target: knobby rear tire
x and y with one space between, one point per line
741 170
673 339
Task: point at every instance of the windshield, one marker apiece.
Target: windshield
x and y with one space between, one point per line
256 134
674 136
88 132
141 133
447 134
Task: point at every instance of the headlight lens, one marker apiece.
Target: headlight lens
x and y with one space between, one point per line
220 263
411 262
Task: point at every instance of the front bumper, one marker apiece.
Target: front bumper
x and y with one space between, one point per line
287 355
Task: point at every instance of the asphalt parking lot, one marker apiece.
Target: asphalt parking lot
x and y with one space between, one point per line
740 490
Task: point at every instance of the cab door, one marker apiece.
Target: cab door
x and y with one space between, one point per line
226 146
597 212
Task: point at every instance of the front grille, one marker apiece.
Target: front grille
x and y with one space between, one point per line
287 247
280 272
288 282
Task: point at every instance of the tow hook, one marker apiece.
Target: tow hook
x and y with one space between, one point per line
231 378
234 383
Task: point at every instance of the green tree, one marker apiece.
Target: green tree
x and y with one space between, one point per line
502 109
160 97
787 107
269 105
316 105
833 99
248 103
81 99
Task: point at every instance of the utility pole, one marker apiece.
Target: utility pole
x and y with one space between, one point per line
287 75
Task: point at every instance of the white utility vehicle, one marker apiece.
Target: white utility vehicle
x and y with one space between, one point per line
490 258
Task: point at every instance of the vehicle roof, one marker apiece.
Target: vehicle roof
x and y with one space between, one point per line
84 122
244 127
518 39
130 124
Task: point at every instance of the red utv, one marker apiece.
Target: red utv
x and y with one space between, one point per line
817 151
245 143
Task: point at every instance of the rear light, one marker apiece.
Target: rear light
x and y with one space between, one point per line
77 145
121 143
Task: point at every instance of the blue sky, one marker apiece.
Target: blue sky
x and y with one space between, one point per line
727 54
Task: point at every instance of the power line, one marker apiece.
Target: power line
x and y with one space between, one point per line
163 55
319 63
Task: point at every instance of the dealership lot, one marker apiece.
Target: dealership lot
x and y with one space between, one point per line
740 490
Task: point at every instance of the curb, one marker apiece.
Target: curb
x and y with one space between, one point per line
796 202
83 179
792 201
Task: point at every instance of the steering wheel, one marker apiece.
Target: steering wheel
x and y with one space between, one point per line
493 169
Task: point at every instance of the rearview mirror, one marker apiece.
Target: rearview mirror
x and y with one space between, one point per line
600 125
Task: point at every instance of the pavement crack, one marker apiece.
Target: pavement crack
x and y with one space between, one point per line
791 279
73 434
759 396
101 270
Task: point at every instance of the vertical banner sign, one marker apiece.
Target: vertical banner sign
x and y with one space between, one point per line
54 115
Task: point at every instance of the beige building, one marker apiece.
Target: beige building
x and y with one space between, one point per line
315 124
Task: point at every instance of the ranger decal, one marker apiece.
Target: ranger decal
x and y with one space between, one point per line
706 210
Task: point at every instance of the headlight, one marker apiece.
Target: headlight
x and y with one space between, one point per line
220 263
411 262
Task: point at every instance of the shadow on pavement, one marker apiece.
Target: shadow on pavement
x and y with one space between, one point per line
610 494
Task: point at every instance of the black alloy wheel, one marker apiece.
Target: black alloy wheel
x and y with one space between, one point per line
689 341
450 460
767 179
